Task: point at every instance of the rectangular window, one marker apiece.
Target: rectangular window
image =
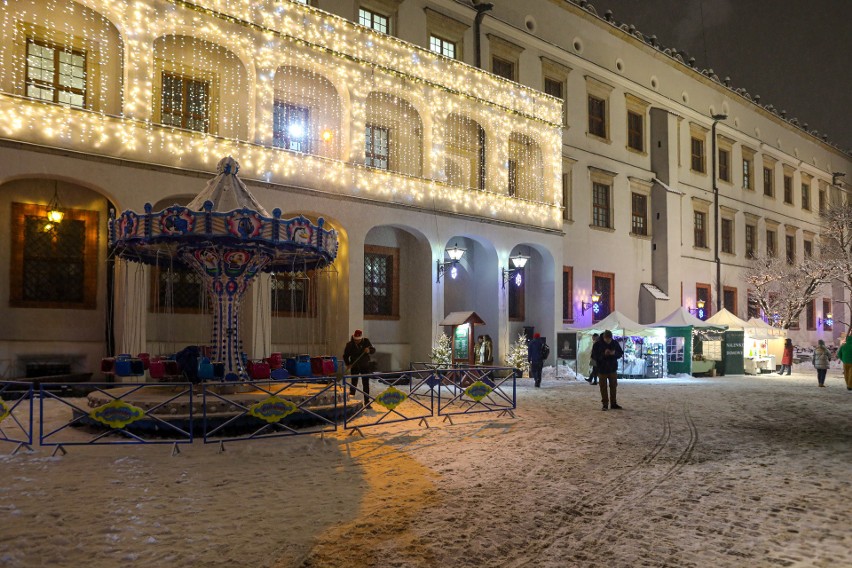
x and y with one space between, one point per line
750 240
513 177
700 219
185 103
567 294
821 202
806 197
442 46
597 116
566 197
768 189
56 73
377 151
600 205
788 189
728 236
826 315
179 290
640 214
809 249
604 283
635 131
771 245
729 299
381 282
517 298
790 242
53 265
294 294
291 125
553 88
725 165
374 21
702 293
810 315
503 68
698 155
747 178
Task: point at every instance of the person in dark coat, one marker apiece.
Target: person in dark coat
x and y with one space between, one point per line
356 356
536 353
606 353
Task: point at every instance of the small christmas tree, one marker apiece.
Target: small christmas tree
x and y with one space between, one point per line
517 357
442 352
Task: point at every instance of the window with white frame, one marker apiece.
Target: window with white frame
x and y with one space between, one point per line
442 46
291 127
374 20
56 73
377 150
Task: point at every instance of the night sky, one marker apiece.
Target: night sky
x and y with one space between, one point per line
795 54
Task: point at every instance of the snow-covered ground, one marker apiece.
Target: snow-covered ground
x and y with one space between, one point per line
703 472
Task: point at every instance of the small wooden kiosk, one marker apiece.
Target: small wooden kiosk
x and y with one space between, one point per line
462 335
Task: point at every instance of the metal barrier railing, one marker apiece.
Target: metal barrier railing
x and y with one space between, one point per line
268 409
123 411
401 396
475 389
16 398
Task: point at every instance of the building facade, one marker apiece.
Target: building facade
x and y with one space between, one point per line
578 145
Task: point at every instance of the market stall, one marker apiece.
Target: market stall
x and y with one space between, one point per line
684 332
763 346
733 360
643 346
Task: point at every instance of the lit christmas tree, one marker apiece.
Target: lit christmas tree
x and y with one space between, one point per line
442 352
517 357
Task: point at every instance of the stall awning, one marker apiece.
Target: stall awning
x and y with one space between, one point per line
655 292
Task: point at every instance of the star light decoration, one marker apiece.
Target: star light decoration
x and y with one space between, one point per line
254 55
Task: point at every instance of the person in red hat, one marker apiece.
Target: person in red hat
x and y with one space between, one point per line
356 356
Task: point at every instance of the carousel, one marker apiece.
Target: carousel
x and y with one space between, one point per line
227 238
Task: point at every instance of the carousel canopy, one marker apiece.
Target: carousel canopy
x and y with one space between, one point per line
223 219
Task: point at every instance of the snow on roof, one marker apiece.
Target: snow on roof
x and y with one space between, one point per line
656 292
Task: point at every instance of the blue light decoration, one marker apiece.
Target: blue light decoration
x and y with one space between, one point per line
596 307
701 313
454 271
519 278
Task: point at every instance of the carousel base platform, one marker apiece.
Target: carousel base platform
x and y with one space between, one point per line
225 404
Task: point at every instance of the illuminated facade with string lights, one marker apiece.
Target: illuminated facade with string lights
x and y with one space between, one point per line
577 147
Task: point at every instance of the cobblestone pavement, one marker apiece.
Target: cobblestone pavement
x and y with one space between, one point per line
695 472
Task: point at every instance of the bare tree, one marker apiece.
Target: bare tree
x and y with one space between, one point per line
836 247
783 290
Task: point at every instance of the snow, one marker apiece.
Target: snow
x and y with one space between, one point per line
694 472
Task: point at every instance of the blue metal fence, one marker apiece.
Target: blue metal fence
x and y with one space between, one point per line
16 414
470 390
389 398
119 414
269 409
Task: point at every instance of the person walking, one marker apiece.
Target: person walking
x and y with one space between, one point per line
820 360
593 373
606 353
787 357
845 355
537 352
356 356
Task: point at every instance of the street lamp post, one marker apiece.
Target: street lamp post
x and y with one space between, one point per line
716 118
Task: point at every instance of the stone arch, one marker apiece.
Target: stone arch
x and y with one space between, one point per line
300 91
397 294
526 167
101 45
398 133
539 285
211 65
